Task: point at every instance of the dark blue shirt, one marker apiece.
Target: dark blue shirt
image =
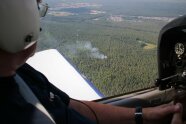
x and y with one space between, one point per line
14 109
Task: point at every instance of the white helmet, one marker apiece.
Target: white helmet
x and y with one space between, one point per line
19 24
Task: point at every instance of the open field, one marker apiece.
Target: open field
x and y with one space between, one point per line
113 47
149 46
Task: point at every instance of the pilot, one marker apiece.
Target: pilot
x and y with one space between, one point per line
27 97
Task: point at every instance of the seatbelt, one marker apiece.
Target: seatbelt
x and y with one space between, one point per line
41 116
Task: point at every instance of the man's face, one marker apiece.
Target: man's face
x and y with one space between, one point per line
10 62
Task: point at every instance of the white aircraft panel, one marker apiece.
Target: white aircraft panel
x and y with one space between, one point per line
63 75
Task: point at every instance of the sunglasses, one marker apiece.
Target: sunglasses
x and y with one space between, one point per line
43 8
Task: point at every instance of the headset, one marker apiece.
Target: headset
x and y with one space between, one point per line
19 24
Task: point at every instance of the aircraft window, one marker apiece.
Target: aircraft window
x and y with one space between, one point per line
112 43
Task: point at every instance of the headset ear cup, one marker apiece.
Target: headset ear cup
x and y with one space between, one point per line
20 22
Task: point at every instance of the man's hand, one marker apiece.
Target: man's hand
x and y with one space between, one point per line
177 117
162 114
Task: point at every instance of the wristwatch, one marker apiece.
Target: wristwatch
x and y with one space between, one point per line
138 115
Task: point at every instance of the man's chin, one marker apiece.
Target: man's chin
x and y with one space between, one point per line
7 72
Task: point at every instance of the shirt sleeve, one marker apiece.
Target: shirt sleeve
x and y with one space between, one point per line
58 107
63 96
35 79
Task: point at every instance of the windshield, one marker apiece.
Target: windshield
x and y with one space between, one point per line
112 43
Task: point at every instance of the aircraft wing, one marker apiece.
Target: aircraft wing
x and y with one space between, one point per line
63 75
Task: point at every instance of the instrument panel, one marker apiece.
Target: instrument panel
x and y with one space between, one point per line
172 55
179 49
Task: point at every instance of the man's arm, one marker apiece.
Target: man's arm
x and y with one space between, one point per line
108 114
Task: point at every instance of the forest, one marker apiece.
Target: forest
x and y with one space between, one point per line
117 53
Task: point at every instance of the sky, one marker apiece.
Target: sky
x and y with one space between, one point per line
170 8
